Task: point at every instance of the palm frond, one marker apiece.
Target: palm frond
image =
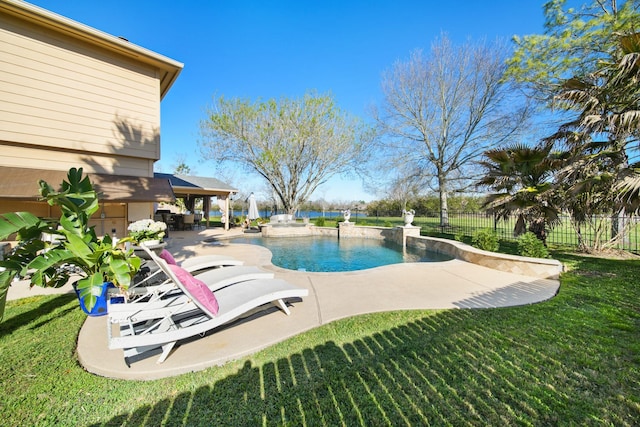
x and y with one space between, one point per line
629 191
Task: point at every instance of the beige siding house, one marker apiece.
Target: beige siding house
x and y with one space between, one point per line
73 96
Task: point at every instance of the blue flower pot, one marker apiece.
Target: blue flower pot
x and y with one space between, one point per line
100 307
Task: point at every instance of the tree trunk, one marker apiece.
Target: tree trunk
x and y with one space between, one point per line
444 209
615 225
520 227
537 227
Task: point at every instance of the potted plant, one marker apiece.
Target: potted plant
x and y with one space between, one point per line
147 230
74 248
149 233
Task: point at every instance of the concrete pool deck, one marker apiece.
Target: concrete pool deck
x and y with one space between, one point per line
332 296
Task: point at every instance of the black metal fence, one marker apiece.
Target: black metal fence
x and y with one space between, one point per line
599 229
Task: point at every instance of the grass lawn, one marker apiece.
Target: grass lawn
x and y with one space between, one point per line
573 360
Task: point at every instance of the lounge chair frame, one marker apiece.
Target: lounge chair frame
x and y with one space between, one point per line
160 324
215 278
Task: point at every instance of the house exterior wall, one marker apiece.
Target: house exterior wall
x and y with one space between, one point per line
64 102
39 209
112 218
56 159
73 96
140 211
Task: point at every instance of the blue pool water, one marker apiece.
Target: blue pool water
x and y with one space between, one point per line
327 254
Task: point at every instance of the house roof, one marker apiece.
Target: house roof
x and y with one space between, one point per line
22 184
169 69
197 185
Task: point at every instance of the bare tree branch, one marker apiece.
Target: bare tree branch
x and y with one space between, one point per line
441 112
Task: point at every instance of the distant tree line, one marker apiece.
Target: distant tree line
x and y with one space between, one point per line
425 205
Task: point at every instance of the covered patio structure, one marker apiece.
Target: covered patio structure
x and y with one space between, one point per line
123 199
190 188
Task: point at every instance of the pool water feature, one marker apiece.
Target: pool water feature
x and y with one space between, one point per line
328 254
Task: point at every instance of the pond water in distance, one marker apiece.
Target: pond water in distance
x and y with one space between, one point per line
329 254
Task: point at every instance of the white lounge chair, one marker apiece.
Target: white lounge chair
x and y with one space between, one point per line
160 324
193 265
215 278
206 262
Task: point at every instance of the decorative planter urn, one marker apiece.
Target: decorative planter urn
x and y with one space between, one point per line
346 214
408 217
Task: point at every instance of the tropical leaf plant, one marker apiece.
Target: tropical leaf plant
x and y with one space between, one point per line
521 178
74 250
587 66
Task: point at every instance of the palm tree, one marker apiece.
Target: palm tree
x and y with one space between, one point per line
609 104
520 177
601 175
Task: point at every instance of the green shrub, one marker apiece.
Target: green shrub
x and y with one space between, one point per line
529 245
387 224
319 222
486 240
459 236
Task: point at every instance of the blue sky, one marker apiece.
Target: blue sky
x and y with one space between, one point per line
265 49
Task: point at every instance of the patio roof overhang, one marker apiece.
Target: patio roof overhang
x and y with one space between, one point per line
196 186
22 184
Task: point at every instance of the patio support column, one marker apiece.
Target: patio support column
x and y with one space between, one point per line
226 204
206 207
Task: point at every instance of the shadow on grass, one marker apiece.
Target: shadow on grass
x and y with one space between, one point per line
28 317
572 360
528 365
515 294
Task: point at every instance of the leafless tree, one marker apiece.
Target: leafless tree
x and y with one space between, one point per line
402 186
441 111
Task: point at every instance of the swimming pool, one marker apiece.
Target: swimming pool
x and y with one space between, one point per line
328 254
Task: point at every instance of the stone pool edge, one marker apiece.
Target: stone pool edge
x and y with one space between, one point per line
410 236
534 267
